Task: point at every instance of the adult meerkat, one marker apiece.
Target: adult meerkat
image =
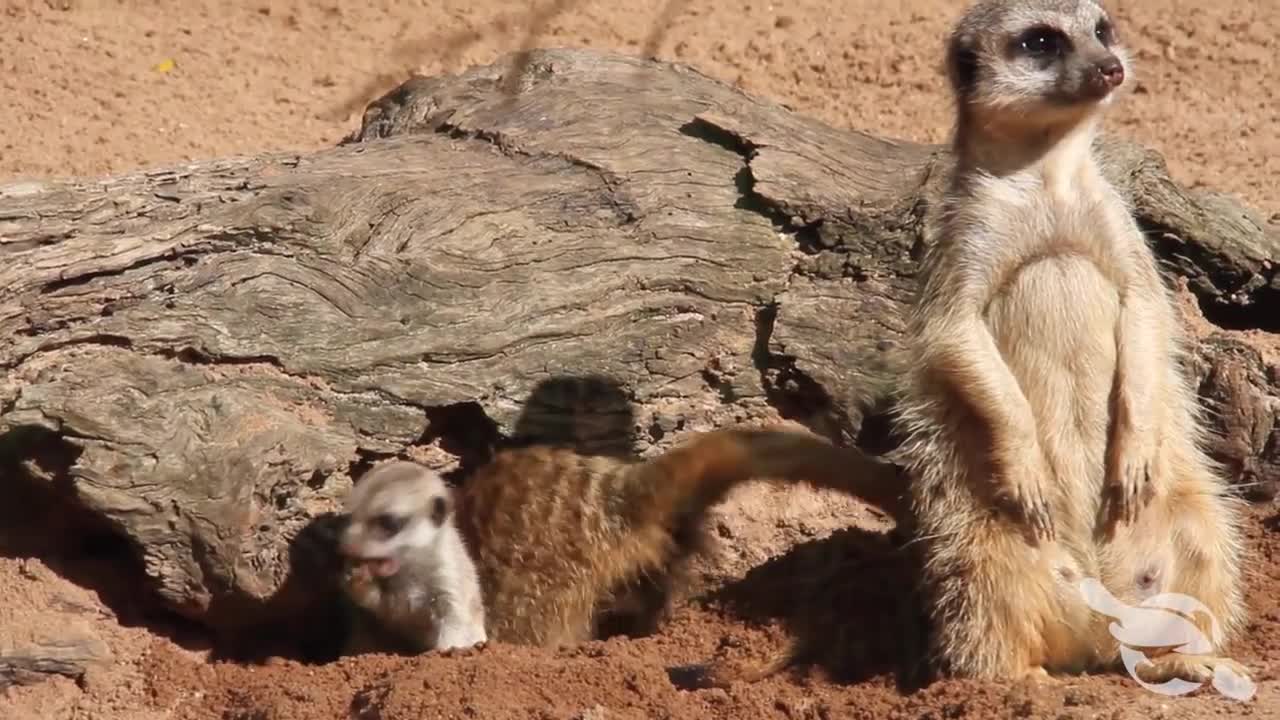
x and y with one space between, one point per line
406 566
561 541
1050 432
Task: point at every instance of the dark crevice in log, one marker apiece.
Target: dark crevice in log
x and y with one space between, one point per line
805 234
464 431
105 340
43 516
88 277
513 149
877 434
1252 304
193 356
1265 315
796 395
364 462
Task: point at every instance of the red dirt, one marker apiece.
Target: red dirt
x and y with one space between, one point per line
854 620
82 96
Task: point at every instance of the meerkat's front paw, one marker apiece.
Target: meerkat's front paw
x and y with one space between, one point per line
1023 491
460 633
360 584
1129 483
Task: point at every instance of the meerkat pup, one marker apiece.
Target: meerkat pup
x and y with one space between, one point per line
407 566
1050 432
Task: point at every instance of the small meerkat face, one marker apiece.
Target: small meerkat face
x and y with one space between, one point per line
396 509
1048 62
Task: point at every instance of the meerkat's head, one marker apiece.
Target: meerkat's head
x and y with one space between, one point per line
397 509
1035 63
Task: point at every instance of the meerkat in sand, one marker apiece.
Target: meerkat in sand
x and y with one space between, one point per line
560 540
1051 435
406 566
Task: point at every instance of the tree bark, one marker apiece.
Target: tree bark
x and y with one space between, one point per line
216 348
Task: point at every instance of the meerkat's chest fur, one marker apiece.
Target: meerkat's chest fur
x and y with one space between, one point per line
1048 214
1050 253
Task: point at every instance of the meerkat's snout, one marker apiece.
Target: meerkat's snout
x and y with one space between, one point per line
375 542
1104 76
1112 71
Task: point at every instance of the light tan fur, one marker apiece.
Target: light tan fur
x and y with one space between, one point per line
562 539
1050 430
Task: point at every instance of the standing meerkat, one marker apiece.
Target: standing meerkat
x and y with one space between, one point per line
406 565
1050 432
562 542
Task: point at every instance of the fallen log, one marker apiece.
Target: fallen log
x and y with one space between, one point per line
215 349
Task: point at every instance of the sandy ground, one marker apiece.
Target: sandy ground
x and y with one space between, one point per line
86 91
97 86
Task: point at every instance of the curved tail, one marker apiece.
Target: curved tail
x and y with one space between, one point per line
699 473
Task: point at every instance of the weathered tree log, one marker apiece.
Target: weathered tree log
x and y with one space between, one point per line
217 346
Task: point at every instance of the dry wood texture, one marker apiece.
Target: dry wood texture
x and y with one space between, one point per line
213 349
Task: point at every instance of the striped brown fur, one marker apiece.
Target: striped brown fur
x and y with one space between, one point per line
561 539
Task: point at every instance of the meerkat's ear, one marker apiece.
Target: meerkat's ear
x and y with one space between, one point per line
440 509
962 63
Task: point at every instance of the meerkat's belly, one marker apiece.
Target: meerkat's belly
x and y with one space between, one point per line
1055 325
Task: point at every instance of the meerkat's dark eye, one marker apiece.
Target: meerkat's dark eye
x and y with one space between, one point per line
389 524
439 510
1042 41
1104 32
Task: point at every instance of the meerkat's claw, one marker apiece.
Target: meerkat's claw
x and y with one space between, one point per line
1025 495
1131 488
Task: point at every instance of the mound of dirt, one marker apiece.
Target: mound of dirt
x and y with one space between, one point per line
854 620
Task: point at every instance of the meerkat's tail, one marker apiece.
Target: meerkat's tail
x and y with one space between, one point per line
691 477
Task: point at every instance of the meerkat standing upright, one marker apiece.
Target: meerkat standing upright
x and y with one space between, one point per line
1049 430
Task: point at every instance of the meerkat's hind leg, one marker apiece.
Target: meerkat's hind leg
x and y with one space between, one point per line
1208 553
1185 544
999 610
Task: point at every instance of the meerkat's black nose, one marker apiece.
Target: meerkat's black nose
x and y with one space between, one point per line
1112 71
